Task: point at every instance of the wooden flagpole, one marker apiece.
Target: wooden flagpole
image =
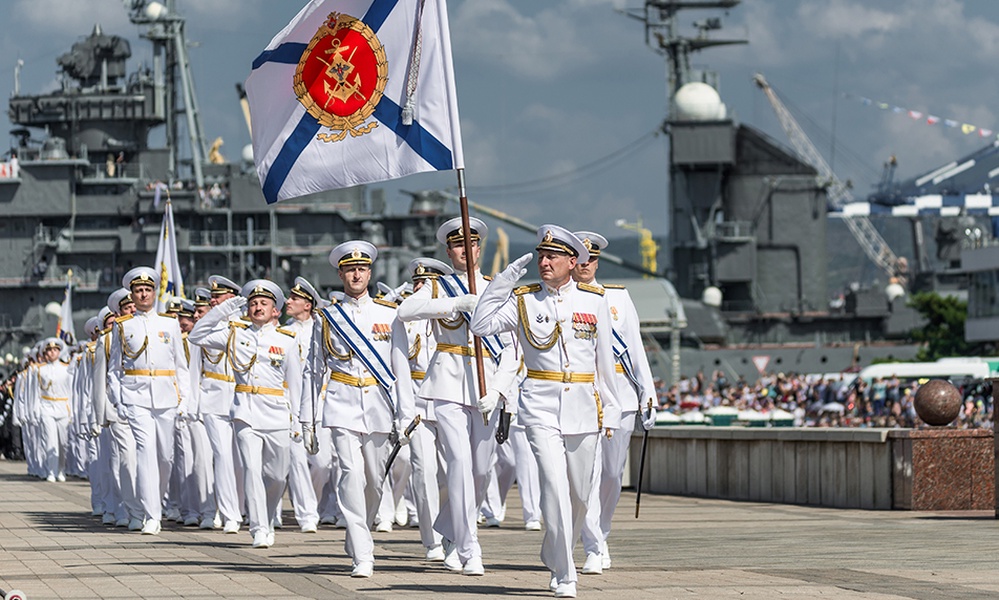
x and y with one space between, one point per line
470 265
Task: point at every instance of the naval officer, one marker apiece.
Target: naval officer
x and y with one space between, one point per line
635 391
368 393
215 394
465 434
53 391
148 379
268 370
565 401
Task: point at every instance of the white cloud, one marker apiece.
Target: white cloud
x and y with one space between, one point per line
69 17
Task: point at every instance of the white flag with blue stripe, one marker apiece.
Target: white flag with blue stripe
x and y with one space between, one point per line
171 282
354 92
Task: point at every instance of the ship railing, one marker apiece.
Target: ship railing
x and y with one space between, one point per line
225 239
83 279
734 230
110 172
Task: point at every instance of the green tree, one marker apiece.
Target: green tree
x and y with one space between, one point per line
943 334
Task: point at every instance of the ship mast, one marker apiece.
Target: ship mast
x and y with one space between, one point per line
170 63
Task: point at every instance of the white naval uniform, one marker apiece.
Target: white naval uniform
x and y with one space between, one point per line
613 453
514 462
268 372
565 400
323 467
360 413
421 346
80 449
53 393
193 453
215 393
82 426
148 379
119 435
300 485
467 444
27 399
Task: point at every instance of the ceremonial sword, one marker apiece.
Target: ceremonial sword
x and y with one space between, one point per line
398 446
641 465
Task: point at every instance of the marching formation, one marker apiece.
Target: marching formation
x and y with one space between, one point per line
421 406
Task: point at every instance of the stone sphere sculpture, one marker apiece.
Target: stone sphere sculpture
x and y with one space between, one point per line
937 402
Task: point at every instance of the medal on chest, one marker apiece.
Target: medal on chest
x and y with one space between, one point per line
584 325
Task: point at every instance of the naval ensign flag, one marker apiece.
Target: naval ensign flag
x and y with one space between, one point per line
354 92
167 264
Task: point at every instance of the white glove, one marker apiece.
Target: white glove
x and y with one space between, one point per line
296 433
311 440
466 303
185 414
232 306
487 404
403 438
122 412
649 418
95 430
517 269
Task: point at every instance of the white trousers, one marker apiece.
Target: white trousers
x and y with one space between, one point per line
29 444
54 443
396 485
607 476
197 491
102 469
426 492
227 470
514 461
303 495
265 457
325 475
123 467
467 446
565 466
95 474
362 458
153 430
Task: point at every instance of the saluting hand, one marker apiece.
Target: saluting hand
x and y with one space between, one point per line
517 269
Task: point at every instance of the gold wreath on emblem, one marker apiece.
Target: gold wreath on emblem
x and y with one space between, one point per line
420 270
355 253
548 237
588 243
339 83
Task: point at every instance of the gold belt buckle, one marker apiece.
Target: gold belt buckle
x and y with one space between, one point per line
566 377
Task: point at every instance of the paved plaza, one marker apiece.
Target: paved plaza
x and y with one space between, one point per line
50 547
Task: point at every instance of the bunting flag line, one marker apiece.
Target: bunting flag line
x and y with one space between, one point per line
353 92
920 116
167 264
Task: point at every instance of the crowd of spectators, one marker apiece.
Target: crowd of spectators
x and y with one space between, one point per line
818 401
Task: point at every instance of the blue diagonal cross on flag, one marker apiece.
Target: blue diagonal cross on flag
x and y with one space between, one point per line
354 92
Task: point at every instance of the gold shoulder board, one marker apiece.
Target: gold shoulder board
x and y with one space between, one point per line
527 289
487 277
245 318
613 286
287 332
590 288
168 315
384 302
239 324
123 318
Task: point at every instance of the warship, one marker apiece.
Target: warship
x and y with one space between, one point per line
745 288
83 191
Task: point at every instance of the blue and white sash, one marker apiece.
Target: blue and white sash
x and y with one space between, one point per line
361 348
623 357
492 343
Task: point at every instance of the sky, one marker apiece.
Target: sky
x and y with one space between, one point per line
567 92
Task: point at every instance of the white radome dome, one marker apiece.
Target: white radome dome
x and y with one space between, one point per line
53 308
712 296
698 101
893 291
248 153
